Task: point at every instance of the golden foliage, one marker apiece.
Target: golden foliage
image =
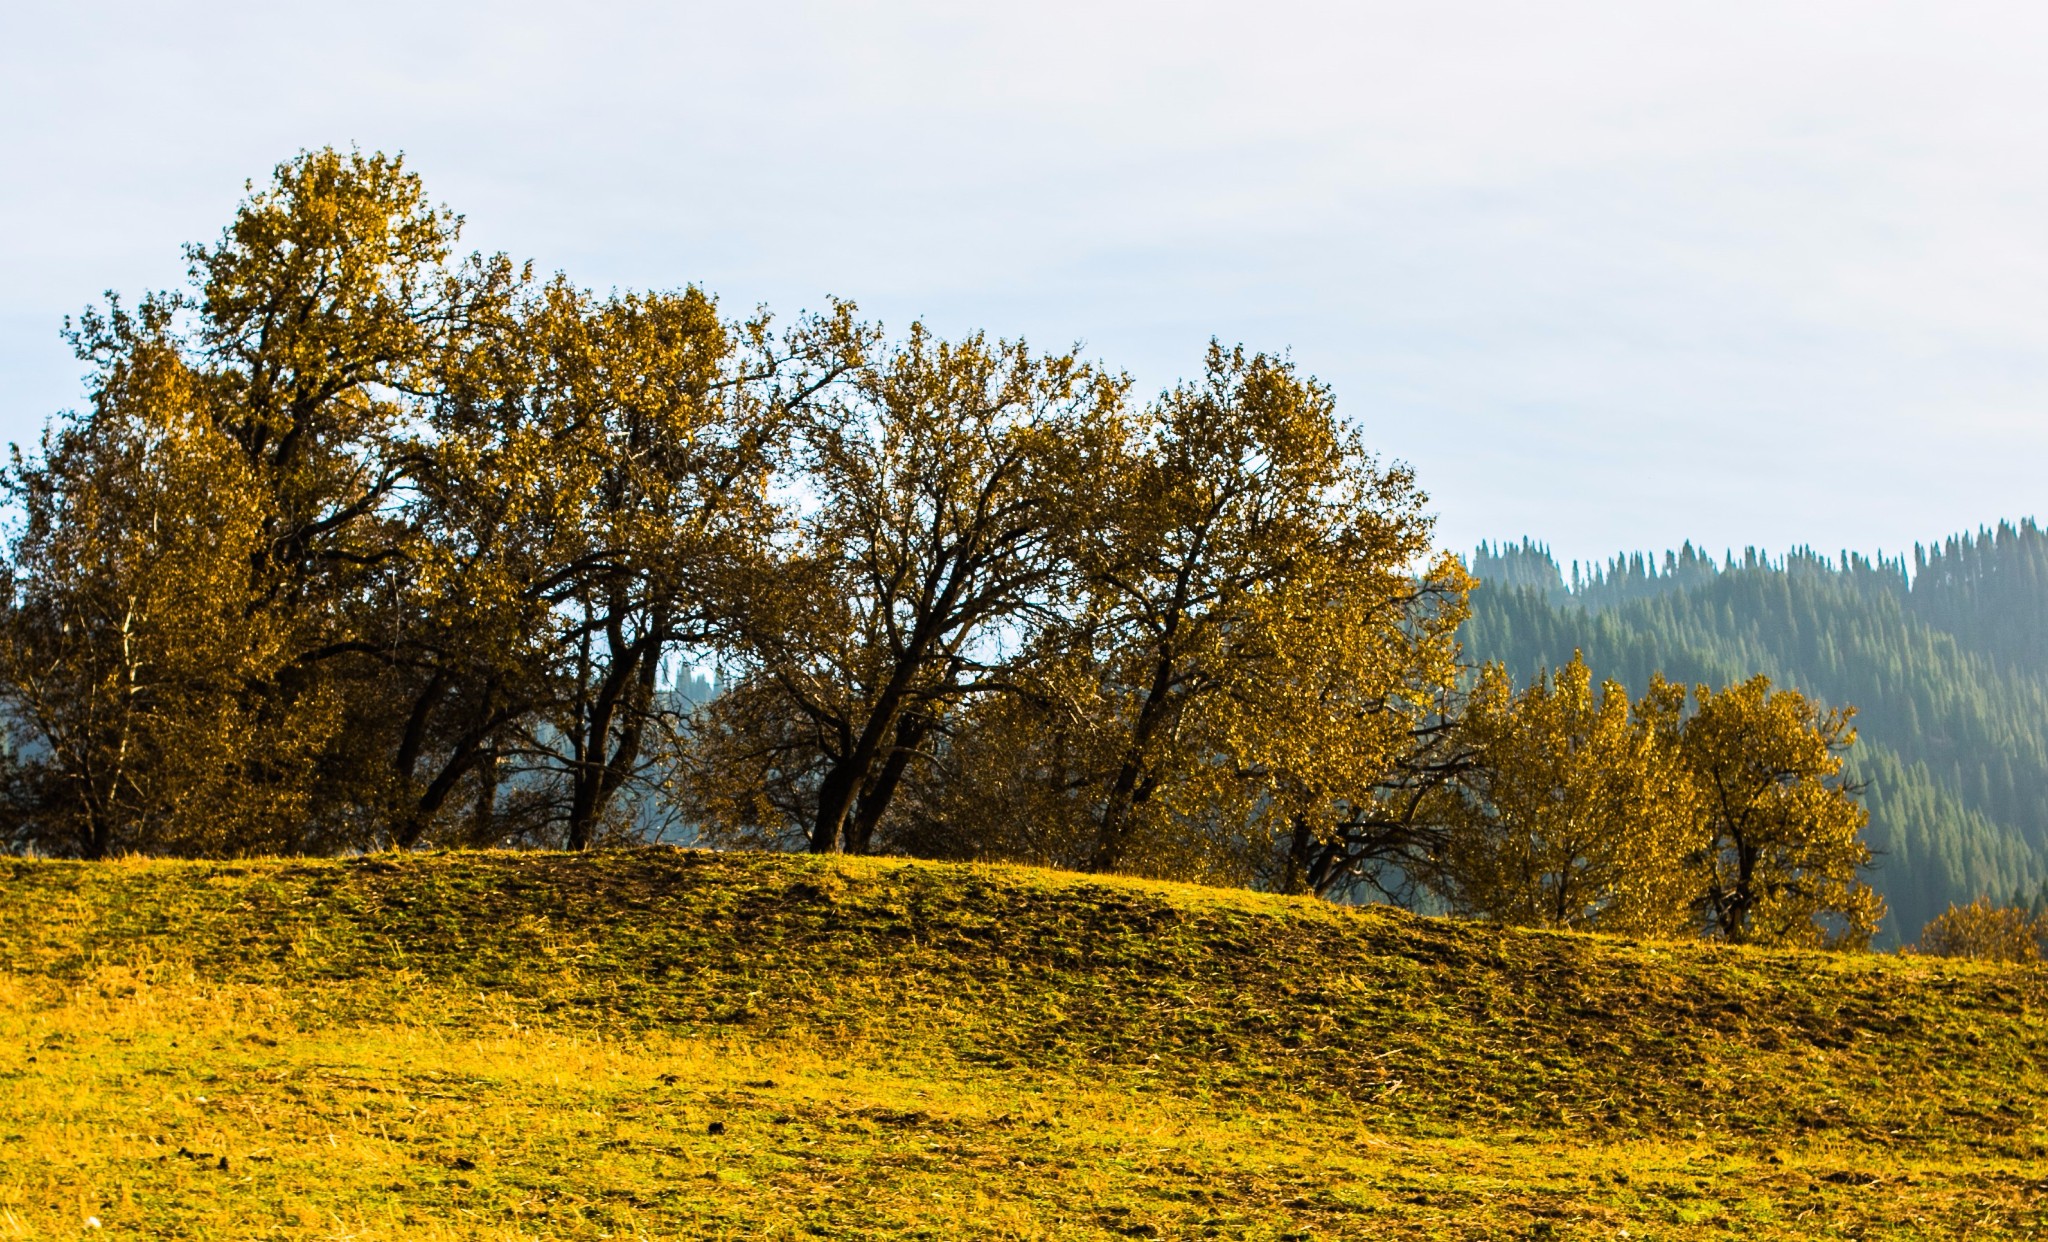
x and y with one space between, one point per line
1985 932
1249 655
355 527
129 647
942 480
360 543
1785 832
1577 811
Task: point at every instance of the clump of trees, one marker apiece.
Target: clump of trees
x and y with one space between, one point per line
361 543
1944 654
1026 620
1725 815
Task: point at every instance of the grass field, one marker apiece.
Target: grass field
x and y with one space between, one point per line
676 1044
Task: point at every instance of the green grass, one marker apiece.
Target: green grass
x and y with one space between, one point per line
542 1045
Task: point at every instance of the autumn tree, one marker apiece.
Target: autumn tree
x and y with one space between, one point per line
616 470
325 319
1249 600
357 535
1985 932
1250 650
1725 814
1574 810
285 390
1784 839
940 481
128 648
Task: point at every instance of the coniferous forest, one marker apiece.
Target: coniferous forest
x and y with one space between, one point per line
1945 659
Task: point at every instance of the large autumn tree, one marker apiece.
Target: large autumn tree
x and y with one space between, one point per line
129 651
201 548
355 535
940 486
608 473
1250 653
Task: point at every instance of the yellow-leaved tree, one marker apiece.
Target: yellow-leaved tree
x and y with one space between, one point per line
1250 656
600 489
940 483
1784 846
206 546
1985 933
356 535
1576 811
1724 816
129 648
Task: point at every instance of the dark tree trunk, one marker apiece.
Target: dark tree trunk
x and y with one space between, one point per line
483 827
614 730
851 774
875 798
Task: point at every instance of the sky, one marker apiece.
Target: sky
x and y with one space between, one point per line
1611 275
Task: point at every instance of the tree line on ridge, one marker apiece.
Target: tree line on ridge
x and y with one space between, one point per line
360 543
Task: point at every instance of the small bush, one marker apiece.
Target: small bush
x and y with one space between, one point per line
1985 932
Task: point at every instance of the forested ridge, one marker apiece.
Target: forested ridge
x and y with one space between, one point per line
1944 657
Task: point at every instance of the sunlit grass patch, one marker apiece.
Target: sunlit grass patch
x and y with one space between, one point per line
505 1046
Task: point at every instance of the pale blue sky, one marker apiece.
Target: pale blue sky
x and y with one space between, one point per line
1609 274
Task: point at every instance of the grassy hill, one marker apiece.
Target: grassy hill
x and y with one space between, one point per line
681 1044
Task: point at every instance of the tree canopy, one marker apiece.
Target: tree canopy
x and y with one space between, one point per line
360 543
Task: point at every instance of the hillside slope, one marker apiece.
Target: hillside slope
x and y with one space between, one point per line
538 1045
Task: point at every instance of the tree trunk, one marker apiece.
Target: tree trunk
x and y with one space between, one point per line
1299 849
834 799
623 699
483 828
1133 784
879 792
849 775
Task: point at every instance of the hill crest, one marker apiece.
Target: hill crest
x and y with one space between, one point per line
1445 1024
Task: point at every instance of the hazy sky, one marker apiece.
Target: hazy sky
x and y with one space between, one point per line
1612 275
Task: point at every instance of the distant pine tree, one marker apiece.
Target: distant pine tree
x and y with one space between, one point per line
1528 564
1988 590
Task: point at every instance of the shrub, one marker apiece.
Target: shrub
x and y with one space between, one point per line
1985 932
